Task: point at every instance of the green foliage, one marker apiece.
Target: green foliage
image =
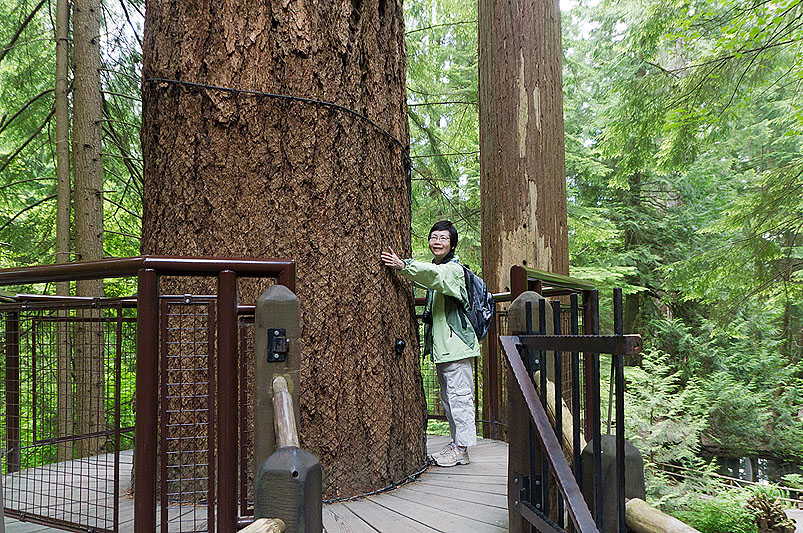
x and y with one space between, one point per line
27 138
724 513
683 168
437 427
444 134
665 417
793 480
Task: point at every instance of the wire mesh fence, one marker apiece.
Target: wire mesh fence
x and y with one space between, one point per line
67 384
67 381
69 368
187 413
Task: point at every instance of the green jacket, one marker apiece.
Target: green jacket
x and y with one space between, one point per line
445 339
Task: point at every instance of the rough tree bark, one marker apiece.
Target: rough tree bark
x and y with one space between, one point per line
62 115
242 175
521 139
88 171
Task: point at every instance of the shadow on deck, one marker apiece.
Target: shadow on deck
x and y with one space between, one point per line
459 499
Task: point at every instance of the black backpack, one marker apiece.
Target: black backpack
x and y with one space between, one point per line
480 304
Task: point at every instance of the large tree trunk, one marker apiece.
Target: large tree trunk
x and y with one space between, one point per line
64 373
243 175
521 139
522 172
88 170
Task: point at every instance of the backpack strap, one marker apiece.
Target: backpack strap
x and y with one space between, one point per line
460 310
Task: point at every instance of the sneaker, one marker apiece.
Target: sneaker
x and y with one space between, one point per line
446 450
455 456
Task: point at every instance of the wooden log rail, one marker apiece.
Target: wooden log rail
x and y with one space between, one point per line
265 525
283 416
642 518
288 484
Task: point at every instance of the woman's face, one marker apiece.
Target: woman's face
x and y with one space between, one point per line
440 244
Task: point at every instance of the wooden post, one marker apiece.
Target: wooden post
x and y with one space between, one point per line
289 483
519 457
276 309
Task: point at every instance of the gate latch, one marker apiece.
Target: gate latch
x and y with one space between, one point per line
278 345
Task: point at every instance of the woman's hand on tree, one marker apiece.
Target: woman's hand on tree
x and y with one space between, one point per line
391 260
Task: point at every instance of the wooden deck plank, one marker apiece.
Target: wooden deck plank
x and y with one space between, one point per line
438 518
464 483
471 469
466 498
337 518
482 514
475 472
386 520
16 526
436 442
460 496
488 480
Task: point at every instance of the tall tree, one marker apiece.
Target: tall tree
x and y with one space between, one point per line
63 201
241 174
87 138
88 168
521 139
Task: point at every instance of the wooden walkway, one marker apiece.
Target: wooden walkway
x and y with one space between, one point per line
466 498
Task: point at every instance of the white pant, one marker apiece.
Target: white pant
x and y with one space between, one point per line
456 383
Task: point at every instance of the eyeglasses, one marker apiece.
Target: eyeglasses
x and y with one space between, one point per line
436 238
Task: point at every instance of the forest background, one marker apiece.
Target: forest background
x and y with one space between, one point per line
683 123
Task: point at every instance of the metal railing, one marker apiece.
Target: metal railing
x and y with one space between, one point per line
542 485
189 388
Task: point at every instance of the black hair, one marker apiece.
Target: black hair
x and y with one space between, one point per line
446 225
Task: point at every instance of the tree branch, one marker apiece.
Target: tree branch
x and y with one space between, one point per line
4 123
28 208
20 29
7 185
473 152
128 18
443 103
121 207
32 137
122 234
441 25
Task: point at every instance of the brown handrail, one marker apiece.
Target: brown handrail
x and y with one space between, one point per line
284 269
576 505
